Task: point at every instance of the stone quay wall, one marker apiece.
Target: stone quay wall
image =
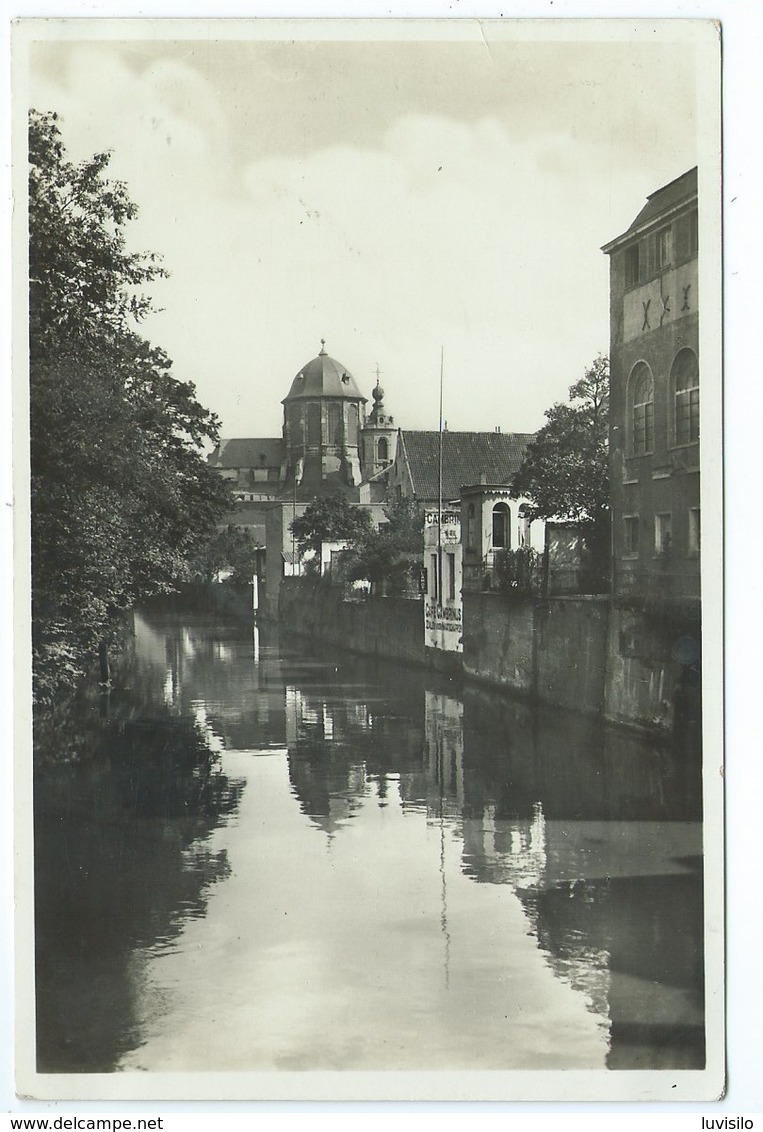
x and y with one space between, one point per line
387 627
584 654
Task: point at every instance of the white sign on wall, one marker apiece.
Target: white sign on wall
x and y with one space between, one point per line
443 609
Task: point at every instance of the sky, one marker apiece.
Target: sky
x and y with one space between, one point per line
440 192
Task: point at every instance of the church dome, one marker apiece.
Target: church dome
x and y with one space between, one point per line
324 377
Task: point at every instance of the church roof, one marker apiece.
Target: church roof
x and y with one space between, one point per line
324 377
466 456
248 452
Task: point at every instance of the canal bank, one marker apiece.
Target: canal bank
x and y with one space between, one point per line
630 665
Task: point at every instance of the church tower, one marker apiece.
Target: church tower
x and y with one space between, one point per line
323 414
378 437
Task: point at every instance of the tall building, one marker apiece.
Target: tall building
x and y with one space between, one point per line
654 402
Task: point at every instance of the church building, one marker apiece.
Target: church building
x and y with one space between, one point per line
327 445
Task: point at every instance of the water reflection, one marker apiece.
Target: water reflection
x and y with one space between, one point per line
505 887
121 864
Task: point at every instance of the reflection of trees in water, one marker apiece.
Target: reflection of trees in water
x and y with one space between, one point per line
120 864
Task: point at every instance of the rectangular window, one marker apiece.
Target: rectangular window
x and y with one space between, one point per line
663 248
693 232
663 534
433 572
634 264
630 535
694 532
687 415
451 560
643 428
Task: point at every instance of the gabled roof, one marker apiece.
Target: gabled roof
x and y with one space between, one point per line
248 453
466 456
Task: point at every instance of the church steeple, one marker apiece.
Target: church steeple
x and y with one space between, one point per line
379 436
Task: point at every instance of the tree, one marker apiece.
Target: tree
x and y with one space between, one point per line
387 557
565 471
121 494
231 551
329 518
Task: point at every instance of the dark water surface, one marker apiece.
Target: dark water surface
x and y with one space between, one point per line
277 859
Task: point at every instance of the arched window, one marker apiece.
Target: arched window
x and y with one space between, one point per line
382 451
684 379
352 425
501 538
470 528
523 525
642 413
335 424
313 423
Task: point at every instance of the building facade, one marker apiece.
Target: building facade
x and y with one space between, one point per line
655 397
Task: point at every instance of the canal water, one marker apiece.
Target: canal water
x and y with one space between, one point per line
272 857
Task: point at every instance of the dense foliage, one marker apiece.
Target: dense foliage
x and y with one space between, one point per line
519 571
122 497
329 518
228 553
565 472
390 557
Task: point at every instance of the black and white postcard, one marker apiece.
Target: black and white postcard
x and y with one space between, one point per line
367 441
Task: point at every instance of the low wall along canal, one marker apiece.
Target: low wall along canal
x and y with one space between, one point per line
586 654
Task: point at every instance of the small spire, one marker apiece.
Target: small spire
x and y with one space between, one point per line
323 348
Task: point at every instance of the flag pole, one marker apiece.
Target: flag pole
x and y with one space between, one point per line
439 490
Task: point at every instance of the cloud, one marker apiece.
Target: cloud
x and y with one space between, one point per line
394 229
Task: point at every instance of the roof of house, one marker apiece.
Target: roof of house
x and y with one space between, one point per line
666 198
324 377
248 453
466 456
659 203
